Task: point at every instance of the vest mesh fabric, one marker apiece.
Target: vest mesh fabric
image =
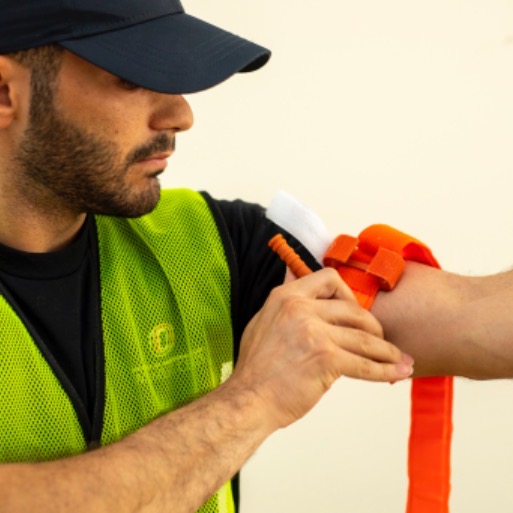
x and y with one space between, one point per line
174 343
31 397
165 306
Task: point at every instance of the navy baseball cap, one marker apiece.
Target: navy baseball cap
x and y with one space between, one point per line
151 43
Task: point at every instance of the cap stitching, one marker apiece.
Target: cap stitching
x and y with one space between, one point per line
95 29
231 47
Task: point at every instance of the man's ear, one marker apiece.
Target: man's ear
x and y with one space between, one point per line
9 97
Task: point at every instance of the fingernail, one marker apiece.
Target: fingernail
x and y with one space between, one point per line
404 369
407 359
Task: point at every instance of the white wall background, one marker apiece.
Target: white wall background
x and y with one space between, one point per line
391 111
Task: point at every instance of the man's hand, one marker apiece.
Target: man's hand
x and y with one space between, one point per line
309 333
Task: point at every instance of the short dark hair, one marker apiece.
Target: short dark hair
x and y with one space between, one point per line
47 57
44 63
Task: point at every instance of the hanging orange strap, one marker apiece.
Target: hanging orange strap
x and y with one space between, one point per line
372 262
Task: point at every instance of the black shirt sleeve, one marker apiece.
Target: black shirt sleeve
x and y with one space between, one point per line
256 269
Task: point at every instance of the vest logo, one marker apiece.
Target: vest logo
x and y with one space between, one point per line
162 339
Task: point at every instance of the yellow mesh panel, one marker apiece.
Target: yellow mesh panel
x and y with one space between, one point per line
166 315
37 419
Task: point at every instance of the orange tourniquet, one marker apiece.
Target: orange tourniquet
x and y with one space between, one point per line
374 262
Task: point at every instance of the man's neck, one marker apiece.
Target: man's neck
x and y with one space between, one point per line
26 228
33 237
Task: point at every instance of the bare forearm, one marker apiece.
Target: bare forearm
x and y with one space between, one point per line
174 464
450 324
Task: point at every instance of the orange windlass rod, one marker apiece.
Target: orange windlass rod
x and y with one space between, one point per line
280 246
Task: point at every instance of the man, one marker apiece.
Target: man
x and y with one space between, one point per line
123 309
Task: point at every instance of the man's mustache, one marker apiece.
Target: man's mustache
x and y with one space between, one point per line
160 144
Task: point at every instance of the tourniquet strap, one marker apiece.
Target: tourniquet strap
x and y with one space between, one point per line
372 262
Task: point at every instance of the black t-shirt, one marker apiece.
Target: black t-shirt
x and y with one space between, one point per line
57 294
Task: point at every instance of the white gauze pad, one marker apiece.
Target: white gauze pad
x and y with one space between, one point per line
306 226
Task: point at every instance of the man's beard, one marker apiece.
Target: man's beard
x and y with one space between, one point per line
64 165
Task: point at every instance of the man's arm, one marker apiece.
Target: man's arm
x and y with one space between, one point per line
451 324
309 333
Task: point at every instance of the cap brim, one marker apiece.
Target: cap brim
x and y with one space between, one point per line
175 54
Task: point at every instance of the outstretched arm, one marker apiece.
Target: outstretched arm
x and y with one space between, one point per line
308 334
451 324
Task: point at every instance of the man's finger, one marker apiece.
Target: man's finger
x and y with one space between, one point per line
360 367
347 314
323 284
367 346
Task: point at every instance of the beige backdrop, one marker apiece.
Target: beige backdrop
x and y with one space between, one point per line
393 111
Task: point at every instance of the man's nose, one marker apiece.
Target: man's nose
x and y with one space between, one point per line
174 113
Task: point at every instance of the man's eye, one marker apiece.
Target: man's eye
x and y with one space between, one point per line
129 86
